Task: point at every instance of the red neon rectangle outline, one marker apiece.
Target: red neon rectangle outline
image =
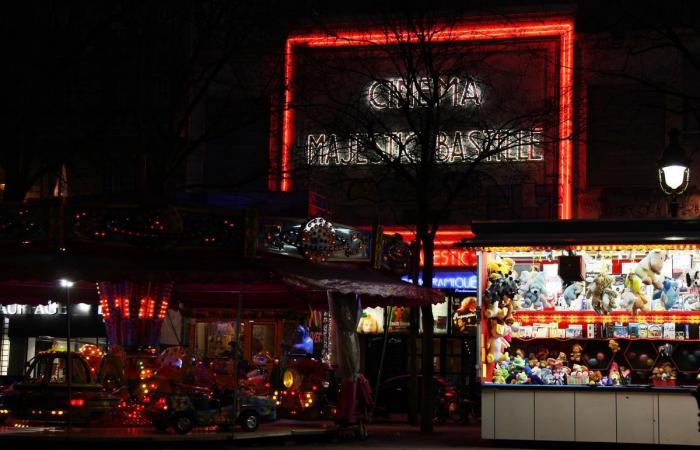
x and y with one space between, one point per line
563 28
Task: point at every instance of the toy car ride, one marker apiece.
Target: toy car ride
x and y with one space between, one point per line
196 406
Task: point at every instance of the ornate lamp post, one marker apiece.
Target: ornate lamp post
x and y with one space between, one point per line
674 170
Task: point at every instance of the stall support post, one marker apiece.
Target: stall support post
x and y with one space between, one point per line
236 359
69 361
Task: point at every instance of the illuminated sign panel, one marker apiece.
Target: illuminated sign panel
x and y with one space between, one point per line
450 280
541 51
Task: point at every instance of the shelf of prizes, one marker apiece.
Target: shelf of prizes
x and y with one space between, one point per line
594 343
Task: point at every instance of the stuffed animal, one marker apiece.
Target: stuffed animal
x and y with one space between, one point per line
614 346
614 374
692 279
576 353
535 296
649 268
595 377
572 292
602 294
500 373
668 294
692 303
497 343
634 298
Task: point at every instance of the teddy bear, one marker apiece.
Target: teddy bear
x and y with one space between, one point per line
649 268
668 294
572 292
602 294
535 296
576 353
595 377
497 343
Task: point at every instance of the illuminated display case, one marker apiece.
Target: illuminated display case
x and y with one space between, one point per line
589 319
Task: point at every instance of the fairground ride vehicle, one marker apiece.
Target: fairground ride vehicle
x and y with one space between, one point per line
309 390
191 407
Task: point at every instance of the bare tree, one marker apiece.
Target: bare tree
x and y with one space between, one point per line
416 119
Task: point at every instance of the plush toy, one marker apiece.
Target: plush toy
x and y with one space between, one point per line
634 298
572 292
614 374
602 294
535 296
625 375
595 377
614 346
649 268
500 373
692 279
497 343
692 303
668 294
576 353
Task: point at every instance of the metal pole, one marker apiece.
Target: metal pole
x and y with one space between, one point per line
387 322
69 362
235 359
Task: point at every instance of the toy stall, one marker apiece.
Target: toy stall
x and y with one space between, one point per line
589 330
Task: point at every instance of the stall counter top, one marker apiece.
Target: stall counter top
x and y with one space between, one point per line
589 388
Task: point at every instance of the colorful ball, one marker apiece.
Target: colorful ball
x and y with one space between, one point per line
650 362
643 357
600 356
592 362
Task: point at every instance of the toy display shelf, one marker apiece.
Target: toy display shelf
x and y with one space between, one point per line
640 355
527 317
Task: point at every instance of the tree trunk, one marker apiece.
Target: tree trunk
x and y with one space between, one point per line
413 368
428 388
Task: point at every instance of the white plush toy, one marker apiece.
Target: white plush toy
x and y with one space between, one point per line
649 268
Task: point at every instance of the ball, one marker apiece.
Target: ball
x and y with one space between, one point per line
592 362
643 357
650 362
600 356
697 354
692 359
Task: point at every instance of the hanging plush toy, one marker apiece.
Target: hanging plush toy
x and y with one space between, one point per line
572 292
649 268
668 294
602 294
535 296
634 298
497 343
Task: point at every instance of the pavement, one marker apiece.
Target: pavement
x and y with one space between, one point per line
281 434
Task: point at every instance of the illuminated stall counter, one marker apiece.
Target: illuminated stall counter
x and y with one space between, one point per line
589 330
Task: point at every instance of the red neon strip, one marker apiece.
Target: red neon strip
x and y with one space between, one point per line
564 29
287 119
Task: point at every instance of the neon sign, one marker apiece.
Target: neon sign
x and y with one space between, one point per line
453 147
562 29
452 257
449 280
395 93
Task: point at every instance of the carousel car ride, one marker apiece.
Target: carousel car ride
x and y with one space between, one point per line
309 390
199 407
42 395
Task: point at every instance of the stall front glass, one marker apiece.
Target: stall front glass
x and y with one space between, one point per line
629 315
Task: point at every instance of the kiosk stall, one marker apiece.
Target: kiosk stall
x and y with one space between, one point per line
589 330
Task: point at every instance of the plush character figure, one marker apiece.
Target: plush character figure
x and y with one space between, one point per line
692 280
614 374
602 294
692 303
497 343
572 292
613 345
576 353
500 373
634 298
625 375
595 377
535 297
668 294
649 268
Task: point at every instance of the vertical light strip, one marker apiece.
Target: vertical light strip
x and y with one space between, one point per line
4 346
562 28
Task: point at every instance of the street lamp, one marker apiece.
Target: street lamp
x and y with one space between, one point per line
674 170
67 284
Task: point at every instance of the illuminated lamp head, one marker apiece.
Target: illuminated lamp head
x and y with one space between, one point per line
674 171
288 379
